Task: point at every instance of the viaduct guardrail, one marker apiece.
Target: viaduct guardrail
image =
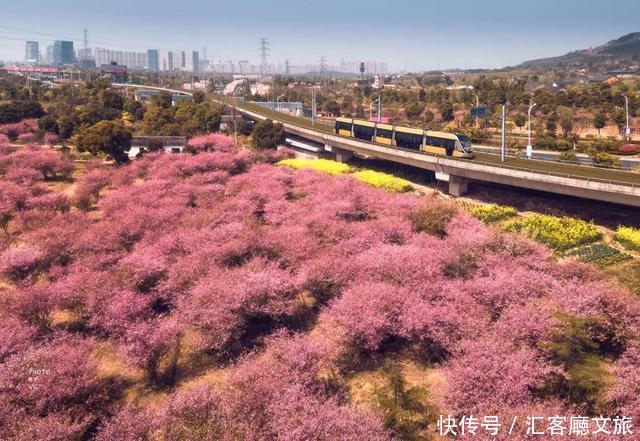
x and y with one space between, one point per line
573 180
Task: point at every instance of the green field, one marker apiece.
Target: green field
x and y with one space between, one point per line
537 166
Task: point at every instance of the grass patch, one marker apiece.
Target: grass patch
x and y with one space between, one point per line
626 274
384 180
560 233
333 168
599 254
493 213
629 237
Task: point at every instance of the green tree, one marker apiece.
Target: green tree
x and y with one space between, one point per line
332 107
599 121
48 124
403 407
551 124
565 119
198 96
111 138
163 99
135 108
67 125
267 135
414 110
520 120
447 113
155 118
583 359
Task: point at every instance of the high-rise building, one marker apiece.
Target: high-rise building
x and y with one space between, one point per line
133 60
153 60
63 53
48 57
167 60
191 61
32 52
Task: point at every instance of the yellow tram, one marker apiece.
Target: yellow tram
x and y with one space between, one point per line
441 143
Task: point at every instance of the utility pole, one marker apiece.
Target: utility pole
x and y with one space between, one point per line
477 107
313 107
503 147
529 147
379 108
263 50
626 106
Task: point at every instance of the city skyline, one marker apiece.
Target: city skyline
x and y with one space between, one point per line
408 35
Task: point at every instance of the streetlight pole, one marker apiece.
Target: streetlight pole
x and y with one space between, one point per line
379 108
626 106
278 99
503 147
529 147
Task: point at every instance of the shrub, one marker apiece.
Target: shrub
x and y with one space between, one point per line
629 149
433 217
384 180
493 212
599 254
629 237
602 158
560 233
322 165
568 156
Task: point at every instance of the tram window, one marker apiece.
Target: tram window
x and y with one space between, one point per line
408 140
365 133
343 125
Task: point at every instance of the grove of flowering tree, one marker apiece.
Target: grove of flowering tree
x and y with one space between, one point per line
215 296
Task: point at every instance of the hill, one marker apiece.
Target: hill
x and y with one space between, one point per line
620 54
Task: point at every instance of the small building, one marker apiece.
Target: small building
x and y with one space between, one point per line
169 144
605 78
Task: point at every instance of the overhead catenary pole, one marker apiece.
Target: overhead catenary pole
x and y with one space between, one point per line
503 146
529 147
313 107
379 108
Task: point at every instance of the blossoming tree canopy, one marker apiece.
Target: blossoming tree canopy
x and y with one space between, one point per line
217 296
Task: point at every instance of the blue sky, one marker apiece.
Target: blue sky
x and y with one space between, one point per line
414 34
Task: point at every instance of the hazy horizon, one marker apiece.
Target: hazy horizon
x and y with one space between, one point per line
406 34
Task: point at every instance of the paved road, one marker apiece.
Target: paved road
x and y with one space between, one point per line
625 162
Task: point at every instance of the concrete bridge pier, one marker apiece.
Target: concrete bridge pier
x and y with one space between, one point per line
457 185
342 155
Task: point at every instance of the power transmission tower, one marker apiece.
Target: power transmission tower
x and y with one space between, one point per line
85 55
264 50
323 67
